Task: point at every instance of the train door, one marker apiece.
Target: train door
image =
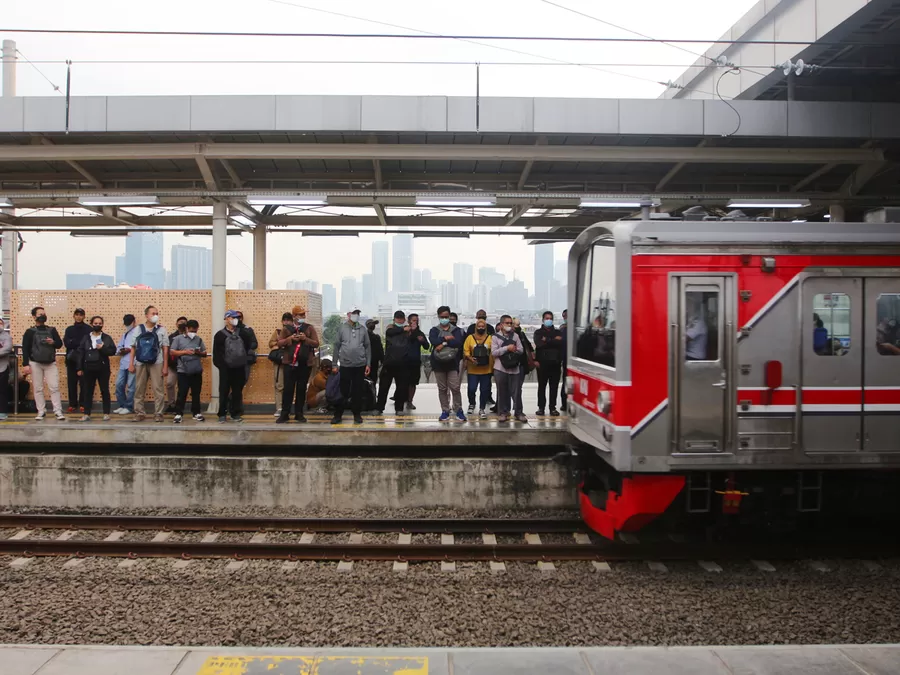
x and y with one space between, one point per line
832 358
701 310
881 370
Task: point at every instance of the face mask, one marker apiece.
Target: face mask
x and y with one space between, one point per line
480 331
40 318
287 325
445 322
192 335
399 324
354 318
548 323
97 329
300 320
154 319
508 329
518 329
234 322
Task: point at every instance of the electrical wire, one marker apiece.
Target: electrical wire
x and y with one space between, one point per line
40 72
740 120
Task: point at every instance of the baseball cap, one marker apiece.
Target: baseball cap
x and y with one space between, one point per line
232 314
371 322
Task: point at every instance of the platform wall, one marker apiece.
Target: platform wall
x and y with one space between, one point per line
262 311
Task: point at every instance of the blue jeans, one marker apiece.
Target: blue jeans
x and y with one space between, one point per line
125 379
484 383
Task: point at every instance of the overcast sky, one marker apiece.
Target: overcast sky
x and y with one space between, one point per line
47 257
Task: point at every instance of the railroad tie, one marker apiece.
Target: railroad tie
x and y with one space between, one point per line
402 566
236 565
78 562
208 538
346 566
819 566
656 566
763 565
584 539
305 538
709 565
497 566
871 566
543 567
447 565
19 563
158 538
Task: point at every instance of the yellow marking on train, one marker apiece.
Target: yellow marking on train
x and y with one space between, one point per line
312 665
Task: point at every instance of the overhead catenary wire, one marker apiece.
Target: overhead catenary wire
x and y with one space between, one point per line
55 86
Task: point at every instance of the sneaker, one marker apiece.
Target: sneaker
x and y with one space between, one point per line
106 418
3 417
170 409
471 408
521 418
60 417
118 411
282 419
336 419
321 411
124 411
357 419
221 420
277 413
199 418
237 419
503 418
71 409
157 418
40 416
494 408
540 412
85 418
482 414
411 406
460 416
177 419
444 416
300 418
554 412
138 417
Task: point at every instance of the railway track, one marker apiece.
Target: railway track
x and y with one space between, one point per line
579 546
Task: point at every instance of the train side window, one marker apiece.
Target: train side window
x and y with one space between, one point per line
831 324
887 329
596 320
701 326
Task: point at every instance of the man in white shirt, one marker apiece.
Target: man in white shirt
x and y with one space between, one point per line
156 371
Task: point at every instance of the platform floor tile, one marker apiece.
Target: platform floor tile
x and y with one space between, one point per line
149 661
794 660
655 660
875 660
24 660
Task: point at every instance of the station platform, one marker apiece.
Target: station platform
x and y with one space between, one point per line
818 660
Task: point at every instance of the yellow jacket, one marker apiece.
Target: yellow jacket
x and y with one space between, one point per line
468 346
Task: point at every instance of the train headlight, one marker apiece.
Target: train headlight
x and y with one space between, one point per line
604 402
570 385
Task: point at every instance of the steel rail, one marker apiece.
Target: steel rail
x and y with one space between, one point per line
256 524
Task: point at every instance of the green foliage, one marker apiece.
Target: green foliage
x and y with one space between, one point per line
332 326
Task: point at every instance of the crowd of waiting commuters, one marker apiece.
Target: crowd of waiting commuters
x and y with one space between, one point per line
359 375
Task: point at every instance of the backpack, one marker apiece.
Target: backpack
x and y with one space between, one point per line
481 354
93 360
510 360
146 346
333 389
235 355
191 364
397 348
41 352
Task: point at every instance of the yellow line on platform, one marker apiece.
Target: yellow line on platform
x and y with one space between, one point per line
314 665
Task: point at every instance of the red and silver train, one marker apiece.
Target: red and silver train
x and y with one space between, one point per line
713 362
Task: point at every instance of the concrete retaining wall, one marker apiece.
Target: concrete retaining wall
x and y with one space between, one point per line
114 481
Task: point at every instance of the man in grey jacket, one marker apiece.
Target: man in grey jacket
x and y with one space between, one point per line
353 352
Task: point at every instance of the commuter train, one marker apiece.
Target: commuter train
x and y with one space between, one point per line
729 365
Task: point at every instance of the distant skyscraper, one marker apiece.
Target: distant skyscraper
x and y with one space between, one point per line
80 282
380 270
329 299
561 271
417 279
511 298
121 269
449 294
490 277
462 278
245 285
368 294
543 274
144 259
191 267
427 281
403 263
481 297
307 285
348 294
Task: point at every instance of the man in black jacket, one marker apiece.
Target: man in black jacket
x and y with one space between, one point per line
231 360
396 367
377 351
72 340
548 352
172 377
43 367
93 367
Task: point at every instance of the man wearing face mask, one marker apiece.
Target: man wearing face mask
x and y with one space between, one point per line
125 379
172 377
93 367
230 348
353 351
548 346
447 343
276 356
39 345
189 352
395 368
149 345
299 343
377 354
72 339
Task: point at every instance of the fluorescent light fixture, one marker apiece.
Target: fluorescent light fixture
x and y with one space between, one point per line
5 203
288 200
768 203
827 216
97 233
612 203
461 200
326 233
441 235
208 233
241 219
119 200
798 221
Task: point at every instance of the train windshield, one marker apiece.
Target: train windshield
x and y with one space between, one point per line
595 320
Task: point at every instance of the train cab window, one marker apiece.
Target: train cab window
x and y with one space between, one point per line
887 330
701 326
595 322
831 324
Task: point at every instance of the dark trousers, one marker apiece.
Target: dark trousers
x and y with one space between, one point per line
87 390
548 373
189 383
231 391
74 382
296 378
5 391
352 389
399 376
482 382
